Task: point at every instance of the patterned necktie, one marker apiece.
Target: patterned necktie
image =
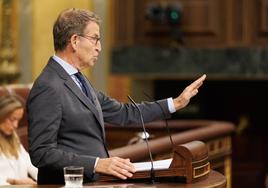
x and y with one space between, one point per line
83 84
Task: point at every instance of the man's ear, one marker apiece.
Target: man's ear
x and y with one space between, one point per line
74 41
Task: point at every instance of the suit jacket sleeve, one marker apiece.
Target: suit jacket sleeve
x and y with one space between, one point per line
125 114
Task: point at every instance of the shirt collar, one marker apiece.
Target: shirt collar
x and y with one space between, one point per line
66 66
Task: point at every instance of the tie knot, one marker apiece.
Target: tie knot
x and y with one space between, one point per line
80 77
83 84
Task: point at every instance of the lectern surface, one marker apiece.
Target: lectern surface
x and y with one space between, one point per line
214 180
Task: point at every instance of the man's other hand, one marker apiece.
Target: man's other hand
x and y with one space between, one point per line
121 168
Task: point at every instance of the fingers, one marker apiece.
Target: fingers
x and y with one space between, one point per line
126 164
20 181
194 92
201 78
120 172
192 89
121 168
197 83
183 99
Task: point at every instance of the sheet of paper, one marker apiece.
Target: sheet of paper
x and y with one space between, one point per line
158 165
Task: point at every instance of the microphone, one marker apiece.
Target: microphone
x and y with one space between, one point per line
146 139
166 121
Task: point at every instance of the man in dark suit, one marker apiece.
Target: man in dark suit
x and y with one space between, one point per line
66 114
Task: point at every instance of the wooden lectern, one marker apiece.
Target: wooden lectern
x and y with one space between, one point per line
190 161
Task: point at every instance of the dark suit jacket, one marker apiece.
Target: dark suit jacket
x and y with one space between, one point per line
66 128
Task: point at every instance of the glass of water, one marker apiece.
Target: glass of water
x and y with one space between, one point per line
73 176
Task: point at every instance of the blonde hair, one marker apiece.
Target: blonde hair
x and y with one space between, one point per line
9 145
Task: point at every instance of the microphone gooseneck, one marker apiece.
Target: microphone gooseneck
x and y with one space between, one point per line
166 121
146 139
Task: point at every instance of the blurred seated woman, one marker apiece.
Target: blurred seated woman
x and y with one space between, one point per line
15 165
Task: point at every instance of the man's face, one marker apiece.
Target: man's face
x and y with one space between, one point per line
89 46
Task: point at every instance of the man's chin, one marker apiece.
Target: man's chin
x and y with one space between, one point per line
92 63
88 65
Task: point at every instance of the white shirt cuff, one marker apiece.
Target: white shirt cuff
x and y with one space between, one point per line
171 106
97 159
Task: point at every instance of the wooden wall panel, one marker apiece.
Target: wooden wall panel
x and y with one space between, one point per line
197 17
264 17
203 23
123 22
121 34
258 22
237 23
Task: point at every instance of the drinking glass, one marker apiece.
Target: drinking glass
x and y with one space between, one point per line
73 176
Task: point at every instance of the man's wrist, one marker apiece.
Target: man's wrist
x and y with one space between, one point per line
171 105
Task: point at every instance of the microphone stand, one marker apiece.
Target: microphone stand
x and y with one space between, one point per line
146 140
166 121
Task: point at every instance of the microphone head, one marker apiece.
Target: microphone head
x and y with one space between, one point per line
143 135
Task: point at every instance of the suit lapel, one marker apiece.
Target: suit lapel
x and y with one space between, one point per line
78 93
84 99
97 105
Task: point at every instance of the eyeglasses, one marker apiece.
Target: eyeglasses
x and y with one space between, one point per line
91 38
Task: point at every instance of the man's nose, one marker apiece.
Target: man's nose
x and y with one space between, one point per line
98 46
